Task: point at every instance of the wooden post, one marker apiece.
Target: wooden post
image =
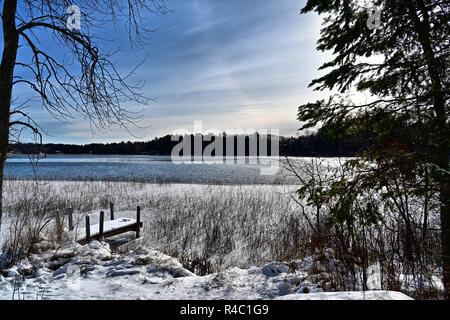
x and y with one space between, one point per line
138 221
70 214
111 210
88 229
100 230
58 224
58 220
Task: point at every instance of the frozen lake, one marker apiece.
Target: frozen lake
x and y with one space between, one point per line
141 168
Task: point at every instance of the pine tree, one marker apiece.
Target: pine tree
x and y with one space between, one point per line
408 119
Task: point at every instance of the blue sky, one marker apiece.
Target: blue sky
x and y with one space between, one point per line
231 64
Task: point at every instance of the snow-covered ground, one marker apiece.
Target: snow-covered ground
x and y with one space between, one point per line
252 221
173 214
93 271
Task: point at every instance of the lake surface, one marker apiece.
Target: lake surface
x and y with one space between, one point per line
140 168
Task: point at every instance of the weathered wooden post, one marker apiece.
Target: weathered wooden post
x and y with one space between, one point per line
100 229
138 221
70 214
58 224
58 219
88 229
111 210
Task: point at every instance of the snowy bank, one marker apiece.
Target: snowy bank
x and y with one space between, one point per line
349 295
93 271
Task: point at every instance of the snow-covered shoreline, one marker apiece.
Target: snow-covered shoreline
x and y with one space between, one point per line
93 271
250 224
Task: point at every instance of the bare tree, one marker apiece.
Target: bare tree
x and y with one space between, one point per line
80 78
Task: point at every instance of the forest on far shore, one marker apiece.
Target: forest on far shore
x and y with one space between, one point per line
311 145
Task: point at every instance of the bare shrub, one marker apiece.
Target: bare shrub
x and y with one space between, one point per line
390 225
24 232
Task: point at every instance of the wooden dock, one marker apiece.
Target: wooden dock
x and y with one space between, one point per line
105 229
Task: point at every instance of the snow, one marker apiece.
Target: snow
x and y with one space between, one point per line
350 295
93 271
158 202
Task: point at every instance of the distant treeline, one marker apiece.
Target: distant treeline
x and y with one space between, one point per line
308 145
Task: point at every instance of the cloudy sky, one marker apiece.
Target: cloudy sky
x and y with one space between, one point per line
232 64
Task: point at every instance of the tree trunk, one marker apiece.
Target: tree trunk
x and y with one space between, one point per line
436 73
445 236
11 41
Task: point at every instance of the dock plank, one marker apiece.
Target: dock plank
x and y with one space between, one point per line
110 228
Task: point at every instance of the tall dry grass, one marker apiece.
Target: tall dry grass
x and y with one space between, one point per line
208 227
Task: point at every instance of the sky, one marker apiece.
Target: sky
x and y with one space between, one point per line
231 64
